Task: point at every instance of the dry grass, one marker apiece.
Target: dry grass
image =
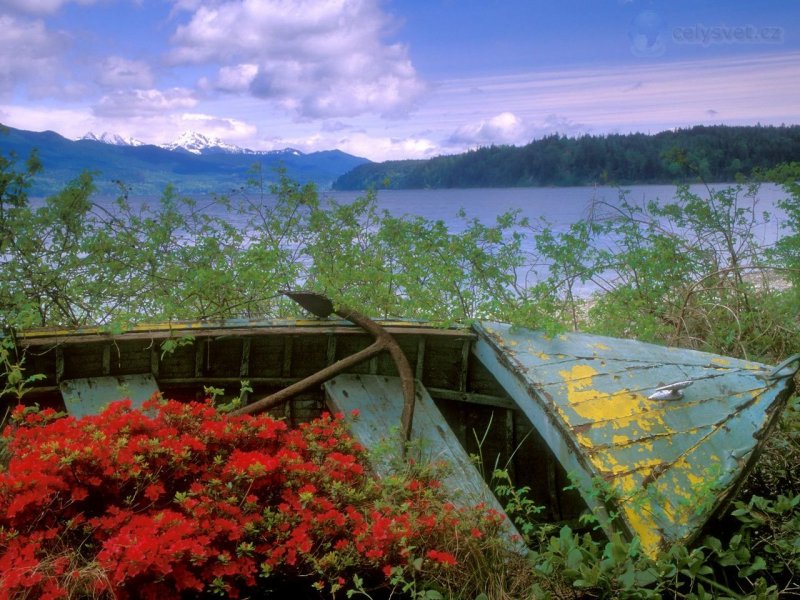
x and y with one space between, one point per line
79 579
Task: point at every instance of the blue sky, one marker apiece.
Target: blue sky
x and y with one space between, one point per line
391 79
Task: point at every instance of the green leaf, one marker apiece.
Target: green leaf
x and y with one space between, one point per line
574 558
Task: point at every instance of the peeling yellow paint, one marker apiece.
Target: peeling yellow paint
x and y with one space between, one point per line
630 413
652 457
639 517
694 479
644 466
623 407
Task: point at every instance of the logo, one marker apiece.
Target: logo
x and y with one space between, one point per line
648 35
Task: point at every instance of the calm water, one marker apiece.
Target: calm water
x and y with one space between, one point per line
559 206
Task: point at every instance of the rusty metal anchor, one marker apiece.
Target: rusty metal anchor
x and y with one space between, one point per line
322 307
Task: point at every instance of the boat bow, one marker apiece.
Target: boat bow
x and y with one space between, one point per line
657 439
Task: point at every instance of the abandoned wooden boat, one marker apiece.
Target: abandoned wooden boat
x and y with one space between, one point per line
655 440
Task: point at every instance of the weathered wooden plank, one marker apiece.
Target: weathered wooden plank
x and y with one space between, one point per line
418 369
266 356
286 370
472 398
155 360
510 441
59 365
244 365
200 357
233 327
288 345
442 367
331 356
222 381
462 374
379 400
666 463
107 359
88 396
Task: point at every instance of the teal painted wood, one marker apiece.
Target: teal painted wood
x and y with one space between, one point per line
379 400
667 464
90 395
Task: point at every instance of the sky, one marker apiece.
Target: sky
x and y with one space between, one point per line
395 79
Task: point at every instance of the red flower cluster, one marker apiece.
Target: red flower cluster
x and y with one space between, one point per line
179 498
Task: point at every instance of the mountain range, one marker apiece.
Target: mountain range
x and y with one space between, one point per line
192 142
193 164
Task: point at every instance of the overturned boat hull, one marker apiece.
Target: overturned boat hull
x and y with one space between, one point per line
653 439
657 438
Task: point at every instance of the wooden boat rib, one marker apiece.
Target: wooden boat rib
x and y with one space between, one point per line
652 463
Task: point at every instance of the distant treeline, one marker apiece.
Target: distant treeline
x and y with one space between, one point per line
717 153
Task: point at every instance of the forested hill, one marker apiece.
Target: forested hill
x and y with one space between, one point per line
716 153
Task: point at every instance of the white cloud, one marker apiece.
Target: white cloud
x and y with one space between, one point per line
359 143
554 123
335 126
68 122
231 131
646 98
152 128
315 58
504 128
138 102
236 78
40 7
119 72
379 148
28 53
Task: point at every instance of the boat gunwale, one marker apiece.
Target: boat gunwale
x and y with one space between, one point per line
58 336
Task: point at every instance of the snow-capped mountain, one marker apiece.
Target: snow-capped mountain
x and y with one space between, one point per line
148 168
113 139
190 141
196 143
